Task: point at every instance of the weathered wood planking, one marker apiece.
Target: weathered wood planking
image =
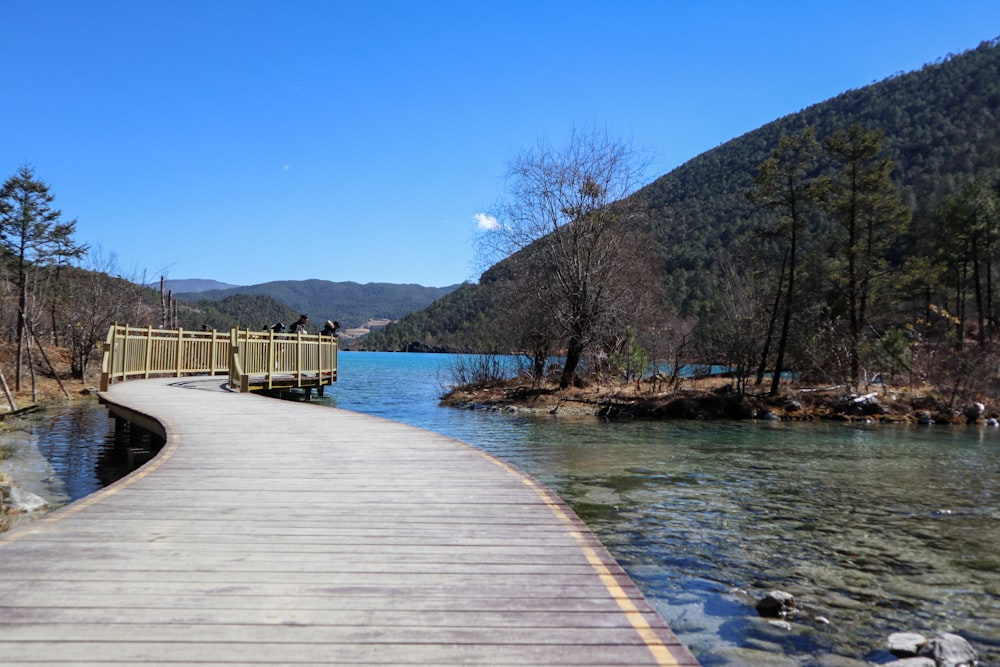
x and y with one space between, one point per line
273 532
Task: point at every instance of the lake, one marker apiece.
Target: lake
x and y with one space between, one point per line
874 528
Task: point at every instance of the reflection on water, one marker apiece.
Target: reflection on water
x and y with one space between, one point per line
874 529
68 452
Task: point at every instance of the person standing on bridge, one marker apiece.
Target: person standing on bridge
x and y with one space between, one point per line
299 326
331 328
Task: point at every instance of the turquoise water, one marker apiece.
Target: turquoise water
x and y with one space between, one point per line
874 529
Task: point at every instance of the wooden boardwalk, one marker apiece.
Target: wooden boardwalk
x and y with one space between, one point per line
281 533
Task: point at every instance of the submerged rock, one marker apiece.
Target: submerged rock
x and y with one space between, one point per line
905 644
777 604
945 650
18 500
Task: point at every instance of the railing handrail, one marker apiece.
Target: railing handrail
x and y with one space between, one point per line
259 359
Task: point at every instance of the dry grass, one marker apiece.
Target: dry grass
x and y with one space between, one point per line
700 398
586 400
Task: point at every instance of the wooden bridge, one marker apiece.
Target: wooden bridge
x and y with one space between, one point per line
275 532
253 360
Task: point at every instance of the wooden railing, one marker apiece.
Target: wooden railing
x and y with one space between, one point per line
253 360
268 360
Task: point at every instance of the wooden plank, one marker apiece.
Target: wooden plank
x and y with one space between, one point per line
276 532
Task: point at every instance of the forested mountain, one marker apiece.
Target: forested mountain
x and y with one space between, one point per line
941 126
243 311
188 285
350 303
454 321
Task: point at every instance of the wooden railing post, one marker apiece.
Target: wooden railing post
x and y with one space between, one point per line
211 352
298 357
237 378
108 358
178 360
271 359
149 347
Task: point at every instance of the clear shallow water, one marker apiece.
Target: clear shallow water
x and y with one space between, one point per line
66 453
877 529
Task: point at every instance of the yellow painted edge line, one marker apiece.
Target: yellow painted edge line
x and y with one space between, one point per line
650 637
165 454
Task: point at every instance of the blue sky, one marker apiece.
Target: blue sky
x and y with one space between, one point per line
254 141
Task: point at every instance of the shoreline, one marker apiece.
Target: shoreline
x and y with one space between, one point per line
22 508
712 399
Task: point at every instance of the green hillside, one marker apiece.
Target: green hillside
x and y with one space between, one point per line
243 311
941 127
350 303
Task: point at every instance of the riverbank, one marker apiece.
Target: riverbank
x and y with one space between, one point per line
49 390
49 387
715 398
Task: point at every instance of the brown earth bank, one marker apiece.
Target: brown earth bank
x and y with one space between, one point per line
51 384
715 398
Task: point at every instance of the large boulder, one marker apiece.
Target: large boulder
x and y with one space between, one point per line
974 413
858 406
948 650
945 650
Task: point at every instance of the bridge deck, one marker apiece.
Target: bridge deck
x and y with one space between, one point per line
272 532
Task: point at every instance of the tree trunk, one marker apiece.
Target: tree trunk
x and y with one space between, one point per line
786 323
574 352
980 308
960 305
772 322
22 304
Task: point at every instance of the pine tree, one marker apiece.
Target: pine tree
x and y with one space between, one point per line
866 202
33 235
784 182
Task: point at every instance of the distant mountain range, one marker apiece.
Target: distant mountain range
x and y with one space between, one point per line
191 285
352 304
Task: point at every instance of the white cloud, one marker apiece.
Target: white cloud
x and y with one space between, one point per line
287 167
486 222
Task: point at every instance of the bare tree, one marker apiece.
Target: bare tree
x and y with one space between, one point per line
739 327
566 214
95 297
518 317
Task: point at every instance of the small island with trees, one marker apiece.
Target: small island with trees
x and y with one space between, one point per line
839 262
